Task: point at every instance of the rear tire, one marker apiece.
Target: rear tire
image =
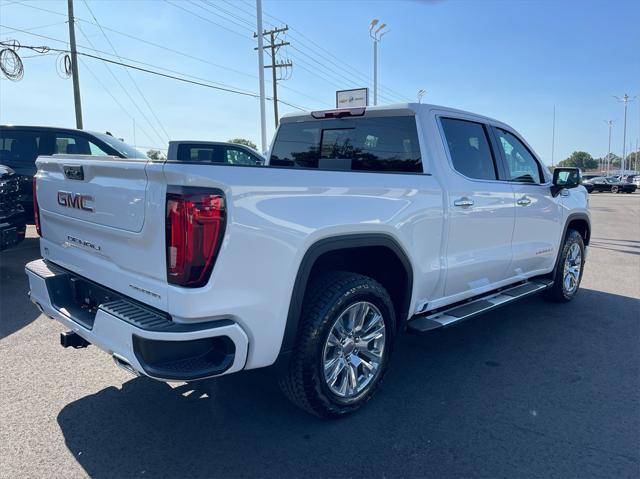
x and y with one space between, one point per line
569 270
335 368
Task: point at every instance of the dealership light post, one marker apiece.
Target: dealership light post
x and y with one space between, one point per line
376 35
263 122
625 99
608 159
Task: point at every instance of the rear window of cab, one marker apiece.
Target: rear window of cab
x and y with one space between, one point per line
382 144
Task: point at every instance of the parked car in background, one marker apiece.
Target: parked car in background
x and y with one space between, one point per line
13 219
609 184
587 178
636 181
213 152
21 145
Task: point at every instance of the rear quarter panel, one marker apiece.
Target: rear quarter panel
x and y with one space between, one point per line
276 214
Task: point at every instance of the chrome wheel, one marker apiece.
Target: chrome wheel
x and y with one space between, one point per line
353 351
572 268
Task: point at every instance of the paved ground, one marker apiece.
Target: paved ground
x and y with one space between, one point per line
532 390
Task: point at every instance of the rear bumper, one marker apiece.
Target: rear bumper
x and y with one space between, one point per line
140 339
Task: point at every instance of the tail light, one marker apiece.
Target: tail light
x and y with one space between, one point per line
195 225
36 210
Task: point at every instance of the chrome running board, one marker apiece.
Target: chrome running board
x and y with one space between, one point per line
460 312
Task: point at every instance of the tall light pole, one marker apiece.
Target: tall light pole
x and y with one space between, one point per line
625 99
376 35
608 161
263 120
553 136
420 94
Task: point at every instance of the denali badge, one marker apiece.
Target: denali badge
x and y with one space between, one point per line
75 200
72 240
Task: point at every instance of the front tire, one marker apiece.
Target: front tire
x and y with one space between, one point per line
569 270
344 342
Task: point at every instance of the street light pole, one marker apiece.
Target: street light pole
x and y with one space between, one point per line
625 99
553 136
263 121
376 35
608 162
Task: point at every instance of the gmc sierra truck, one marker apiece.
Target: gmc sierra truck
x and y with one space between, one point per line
364 223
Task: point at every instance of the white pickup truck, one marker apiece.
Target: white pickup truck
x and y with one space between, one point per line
364 223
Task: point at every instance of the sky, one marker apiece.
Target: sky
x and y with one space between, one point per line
510 60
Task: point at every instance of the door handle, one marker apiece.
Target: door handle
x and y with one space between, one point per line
524 201
463 202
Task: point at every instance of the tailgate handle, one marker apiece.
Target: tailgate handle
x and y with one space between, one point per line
73 172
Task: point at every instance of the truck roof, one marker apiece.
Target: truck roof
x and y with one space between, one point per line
395 108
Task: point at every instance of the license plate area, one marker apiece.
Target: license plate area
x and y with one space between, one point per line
78 298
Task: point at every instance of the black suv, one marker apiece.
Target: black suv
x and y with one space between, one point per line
13 219
21 145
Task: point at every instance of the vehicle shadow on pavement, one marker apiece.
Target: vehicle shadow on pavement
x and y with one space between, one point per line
492 397
16 311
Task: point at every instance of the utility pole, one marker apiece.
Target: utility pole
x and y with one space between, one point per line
625 99
553 136
263 121
608 162
74 67
272 35
376 36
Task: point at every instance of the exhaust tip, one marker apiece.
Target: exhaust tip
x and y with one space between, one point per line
122 363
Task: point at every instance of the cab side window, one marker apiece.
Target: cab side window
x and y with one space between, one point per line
521 164
469 148
75 145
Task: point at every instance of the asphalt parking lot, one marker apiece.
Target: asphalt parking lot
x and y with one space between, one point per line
531 390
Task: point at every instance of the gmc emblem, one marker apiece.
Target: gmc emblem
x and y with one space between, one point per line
75 200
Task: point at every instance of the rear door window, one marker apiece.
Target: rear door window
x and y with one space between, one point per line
200 153
20 147
469 148
383 144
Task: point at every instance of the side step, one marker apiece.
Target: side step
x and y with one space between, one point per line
460 312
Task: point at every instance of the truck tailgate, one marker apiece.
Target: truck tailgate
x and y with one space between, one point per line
103 218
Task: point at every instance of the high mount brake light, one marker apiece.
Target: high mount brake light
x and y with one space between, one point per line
195 223
36 209
341 113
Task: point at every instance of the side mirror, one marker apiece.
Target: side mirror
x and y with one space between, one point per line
565 178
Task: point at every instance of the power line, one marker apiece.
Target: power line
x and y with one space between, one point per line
104 87
207 19
246 23
144 98
343 65
174 77
124 89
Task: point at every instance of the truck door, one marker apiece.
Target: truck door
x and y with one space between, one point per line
481 210
538 214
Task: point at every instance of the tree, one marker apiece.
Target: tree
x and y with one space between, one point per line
156 155
245 142
580 159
